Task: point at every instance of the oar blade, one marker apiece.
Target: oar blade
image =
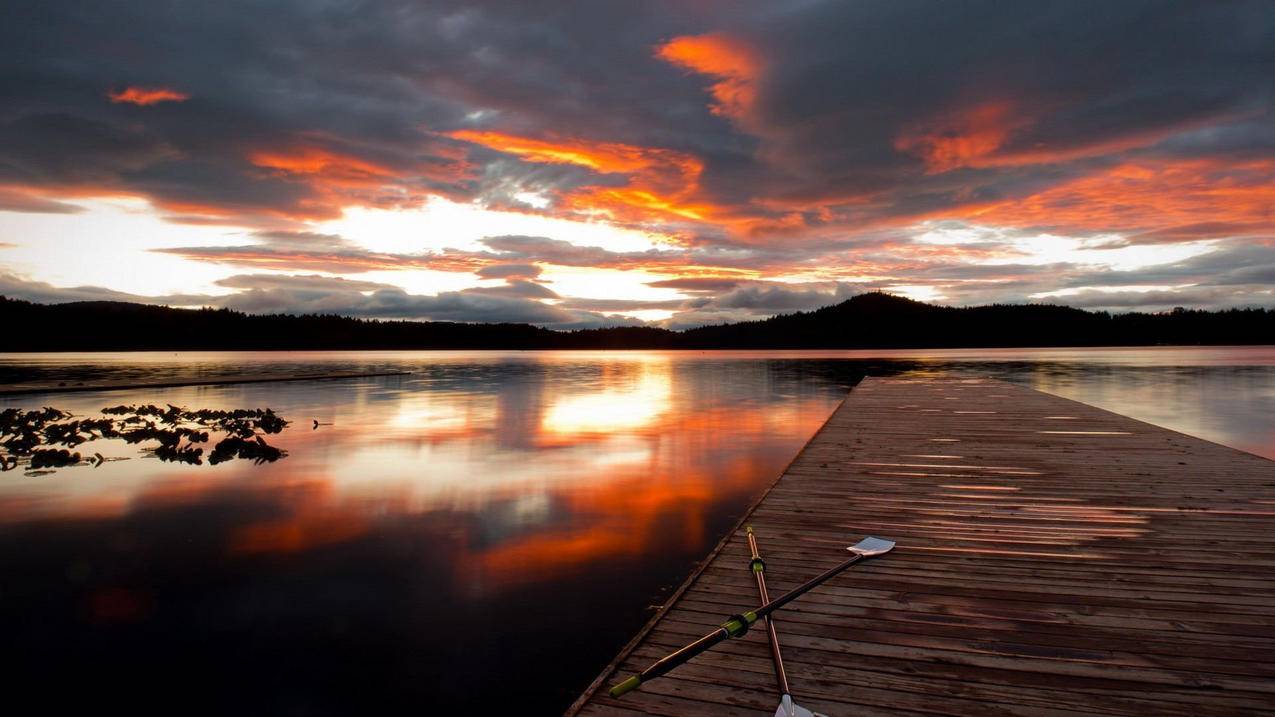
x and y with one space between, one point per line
787 708
869 547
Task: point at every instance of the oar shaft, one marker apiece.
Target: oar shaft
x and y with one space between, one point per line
737 625
758 566
804 588
683 655
668 662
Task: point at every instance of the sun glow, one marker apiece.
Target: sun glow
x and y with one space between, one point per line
442 223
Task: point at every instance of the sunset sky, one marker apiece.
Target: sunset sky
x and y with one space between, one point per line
599 163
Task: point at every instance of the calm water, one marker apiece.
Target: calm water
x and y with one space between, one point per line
489 530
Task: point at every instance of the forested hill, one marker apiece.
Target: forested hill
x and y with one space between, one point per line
872 320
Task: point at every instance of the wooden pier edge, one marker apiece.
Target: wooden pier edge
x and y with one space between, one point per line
1056 560
610 669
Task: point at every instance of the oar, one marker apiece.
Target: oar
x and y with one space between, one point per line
737 625
787 708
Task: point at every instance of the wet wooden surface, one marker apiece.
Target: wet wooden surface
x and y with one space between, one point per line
1053 559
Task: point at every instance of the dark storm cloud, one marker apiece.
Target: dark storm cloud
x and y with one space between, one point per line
1080 75
374 83
848 100
787 138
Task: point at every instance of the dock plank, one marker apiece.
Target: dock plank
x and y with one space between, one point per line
1053 559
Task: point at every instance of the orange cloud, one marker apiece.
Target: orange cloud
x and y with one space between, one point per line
732 63
336 169
1227 197
980 137
145 96
606 157
663 183
338 180
961 139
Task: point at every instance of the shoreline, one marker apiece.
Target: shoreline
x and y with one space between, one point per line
20 389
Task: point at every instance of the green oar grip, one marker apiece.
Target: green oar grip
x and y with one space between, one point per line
739 624
626 686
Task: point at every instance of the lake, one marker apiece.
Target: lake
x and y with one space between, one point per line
487 531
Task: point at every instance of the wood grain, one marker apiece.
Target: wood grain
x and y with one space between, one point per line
1053 559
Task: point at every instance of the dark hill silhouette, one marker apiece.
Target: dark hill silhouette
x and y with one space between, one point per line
873 320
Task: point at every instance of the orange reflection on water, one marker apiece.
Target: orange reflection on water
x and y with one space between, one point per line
316 520
633 508
518 475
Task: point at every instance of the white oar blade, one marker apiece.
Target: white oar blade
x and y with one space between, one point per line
872 546
788 709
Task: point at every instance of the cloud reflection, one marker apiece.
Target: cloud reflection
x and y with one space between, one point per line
529 470
631 404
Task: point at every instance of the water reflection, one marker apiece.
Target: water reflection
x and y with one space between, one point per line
488 530
455 528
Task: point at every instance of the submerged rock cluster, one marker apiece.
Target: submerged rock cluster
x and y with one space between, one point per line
33 436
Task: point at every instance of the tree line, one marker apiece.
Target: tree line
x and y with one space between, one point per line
873 320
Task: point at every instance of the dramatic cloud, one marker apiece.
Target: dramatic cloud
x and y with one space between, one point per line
656 183
767 156
967 139
733 65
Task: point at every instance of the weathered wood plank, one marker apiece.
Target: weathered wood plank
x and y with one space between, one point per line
1053 559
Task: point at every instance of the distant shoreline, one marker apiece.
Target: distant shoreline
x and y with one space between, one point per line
20 389
686 350
868 321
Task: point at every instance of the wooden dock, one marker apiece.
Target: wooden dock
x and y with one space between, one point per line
1053 559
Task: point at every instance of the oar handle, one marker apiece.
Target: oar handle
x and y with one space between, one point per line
757 564
734 627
